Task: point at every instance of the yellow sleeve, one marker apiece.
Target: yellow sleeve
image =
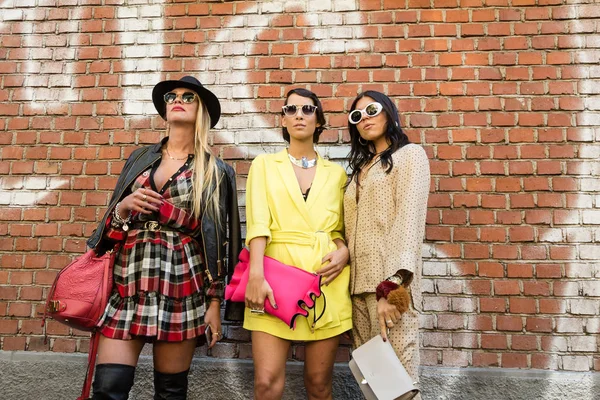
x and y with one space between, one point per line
338 232
258 215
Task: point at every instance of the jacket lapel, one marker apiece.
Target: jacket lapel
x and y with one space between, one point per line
319 181
291 183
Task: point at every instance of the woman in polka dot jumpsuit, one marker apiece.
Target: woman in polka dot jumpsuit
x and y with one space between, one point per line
385 205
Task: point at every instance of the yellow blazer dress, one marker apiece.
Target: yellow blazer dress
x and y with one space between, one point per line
299 233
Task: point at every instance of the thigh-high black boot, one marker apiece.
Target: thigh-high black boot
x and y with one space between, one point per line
170 386
113 381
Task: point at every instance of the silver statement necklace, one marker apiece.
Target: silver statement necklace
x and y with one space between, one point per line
303 162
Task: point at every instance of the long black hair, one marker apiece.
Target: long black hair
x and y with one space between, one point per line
361 154
320 115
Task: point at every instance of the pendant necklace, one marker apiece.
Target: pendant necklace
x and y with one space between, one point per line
303 162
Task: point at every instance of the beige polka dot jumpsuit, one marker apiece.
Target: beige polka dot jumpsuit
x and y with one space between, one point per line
385 226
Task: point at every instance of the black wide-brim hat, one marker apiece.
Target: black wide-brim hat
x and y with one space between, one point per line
188 82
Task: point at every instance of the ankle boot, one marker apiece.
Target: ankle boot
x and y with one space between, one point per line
170 386
113 381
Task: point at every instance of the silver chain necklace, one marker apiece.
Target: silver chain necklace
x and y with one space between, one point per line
303 162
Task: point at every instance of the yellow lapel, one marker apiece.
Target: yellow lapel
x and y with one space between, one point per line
291 183
319 181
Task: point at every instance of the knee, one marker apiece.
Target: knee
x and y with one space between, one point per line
318 386
267 386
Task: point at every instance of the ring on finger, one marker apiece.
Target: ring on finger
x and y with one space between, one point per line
389 321
144 198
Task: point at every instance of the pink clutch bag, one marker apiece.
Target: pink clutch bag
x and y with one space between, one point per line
294 289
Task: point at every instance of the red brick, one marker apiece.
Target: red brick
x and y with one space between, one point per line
490 341
522 305
514 360
485 360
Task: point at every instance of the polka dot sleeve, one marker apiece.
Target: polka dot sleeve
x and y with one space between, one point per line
408 228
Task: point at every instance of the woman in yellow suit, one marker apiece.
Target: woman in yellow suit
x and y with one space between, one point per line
294 214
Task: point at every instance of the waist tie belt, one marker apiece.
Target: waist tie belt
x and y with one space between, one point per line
319 238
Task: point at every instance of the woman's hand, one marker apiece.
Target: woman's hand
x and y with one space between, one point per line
256 291
338 259
212 318
388 315
143 200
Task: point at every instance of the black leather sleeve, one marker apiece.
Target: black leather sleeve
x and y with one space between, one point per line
233 311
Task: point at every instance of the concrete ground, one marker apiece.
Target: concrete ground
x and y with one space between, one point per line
56 376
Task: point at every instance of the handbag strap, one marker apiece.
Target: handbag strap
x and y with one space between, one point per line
89 374
95 339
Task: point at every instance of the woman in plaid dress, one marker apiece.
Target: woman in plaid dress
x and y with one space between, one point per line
164 291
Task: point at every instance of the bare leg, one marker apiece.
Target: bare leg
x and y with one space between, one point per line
270 354
115 371
318 368
116 351
171 368
173 357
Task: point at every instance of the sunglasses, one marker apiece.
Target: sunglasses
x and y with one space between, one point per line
371 110
292 109
186 97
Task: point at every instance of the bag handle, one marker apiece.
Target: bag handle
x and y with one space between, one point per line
315 318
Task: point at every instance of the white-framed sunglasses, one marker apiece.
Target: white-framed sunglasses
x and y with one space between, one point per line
292 109
371 110
186 97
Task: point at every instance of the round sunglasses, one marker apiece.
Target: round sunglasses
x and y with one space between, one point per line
292 109
371 110
186 97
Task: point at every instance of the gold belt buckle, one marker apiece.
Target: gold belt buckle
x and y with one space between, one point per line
152 226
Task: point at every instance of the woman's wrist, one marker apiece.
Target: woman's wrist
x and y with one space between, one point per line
118 218
384 288
340 244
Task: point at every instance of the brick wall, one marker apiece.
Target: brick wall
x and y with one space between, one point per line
503 94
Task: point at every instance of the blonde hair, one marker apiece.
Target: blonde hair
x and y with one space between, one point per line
206 179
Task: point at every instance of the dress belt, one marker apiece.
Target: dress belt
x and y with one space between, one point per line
152 226
302 238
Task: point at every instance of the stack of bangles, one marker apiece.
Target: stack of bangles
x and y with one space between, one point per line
396 294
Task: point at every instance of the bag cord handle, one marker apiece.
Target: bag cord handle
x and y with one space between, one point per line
315 318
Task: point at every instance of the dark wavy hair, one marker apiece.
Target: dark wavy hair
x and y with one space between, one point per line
320 115
361 154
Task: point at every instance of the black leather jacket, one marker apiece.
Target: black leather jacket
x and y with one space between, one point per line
221 244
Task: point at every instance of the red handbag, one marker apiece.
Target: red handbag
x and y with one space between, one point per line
78 298
295 290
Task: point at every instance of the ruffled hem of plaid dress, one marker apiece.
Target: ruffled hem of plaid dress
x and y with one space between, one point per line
160 288
154 316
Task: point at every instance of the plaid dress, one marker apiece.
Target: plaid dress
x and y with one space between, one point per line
159 279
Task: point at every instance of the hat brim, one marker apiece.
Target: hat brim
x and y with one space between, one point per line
208 98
